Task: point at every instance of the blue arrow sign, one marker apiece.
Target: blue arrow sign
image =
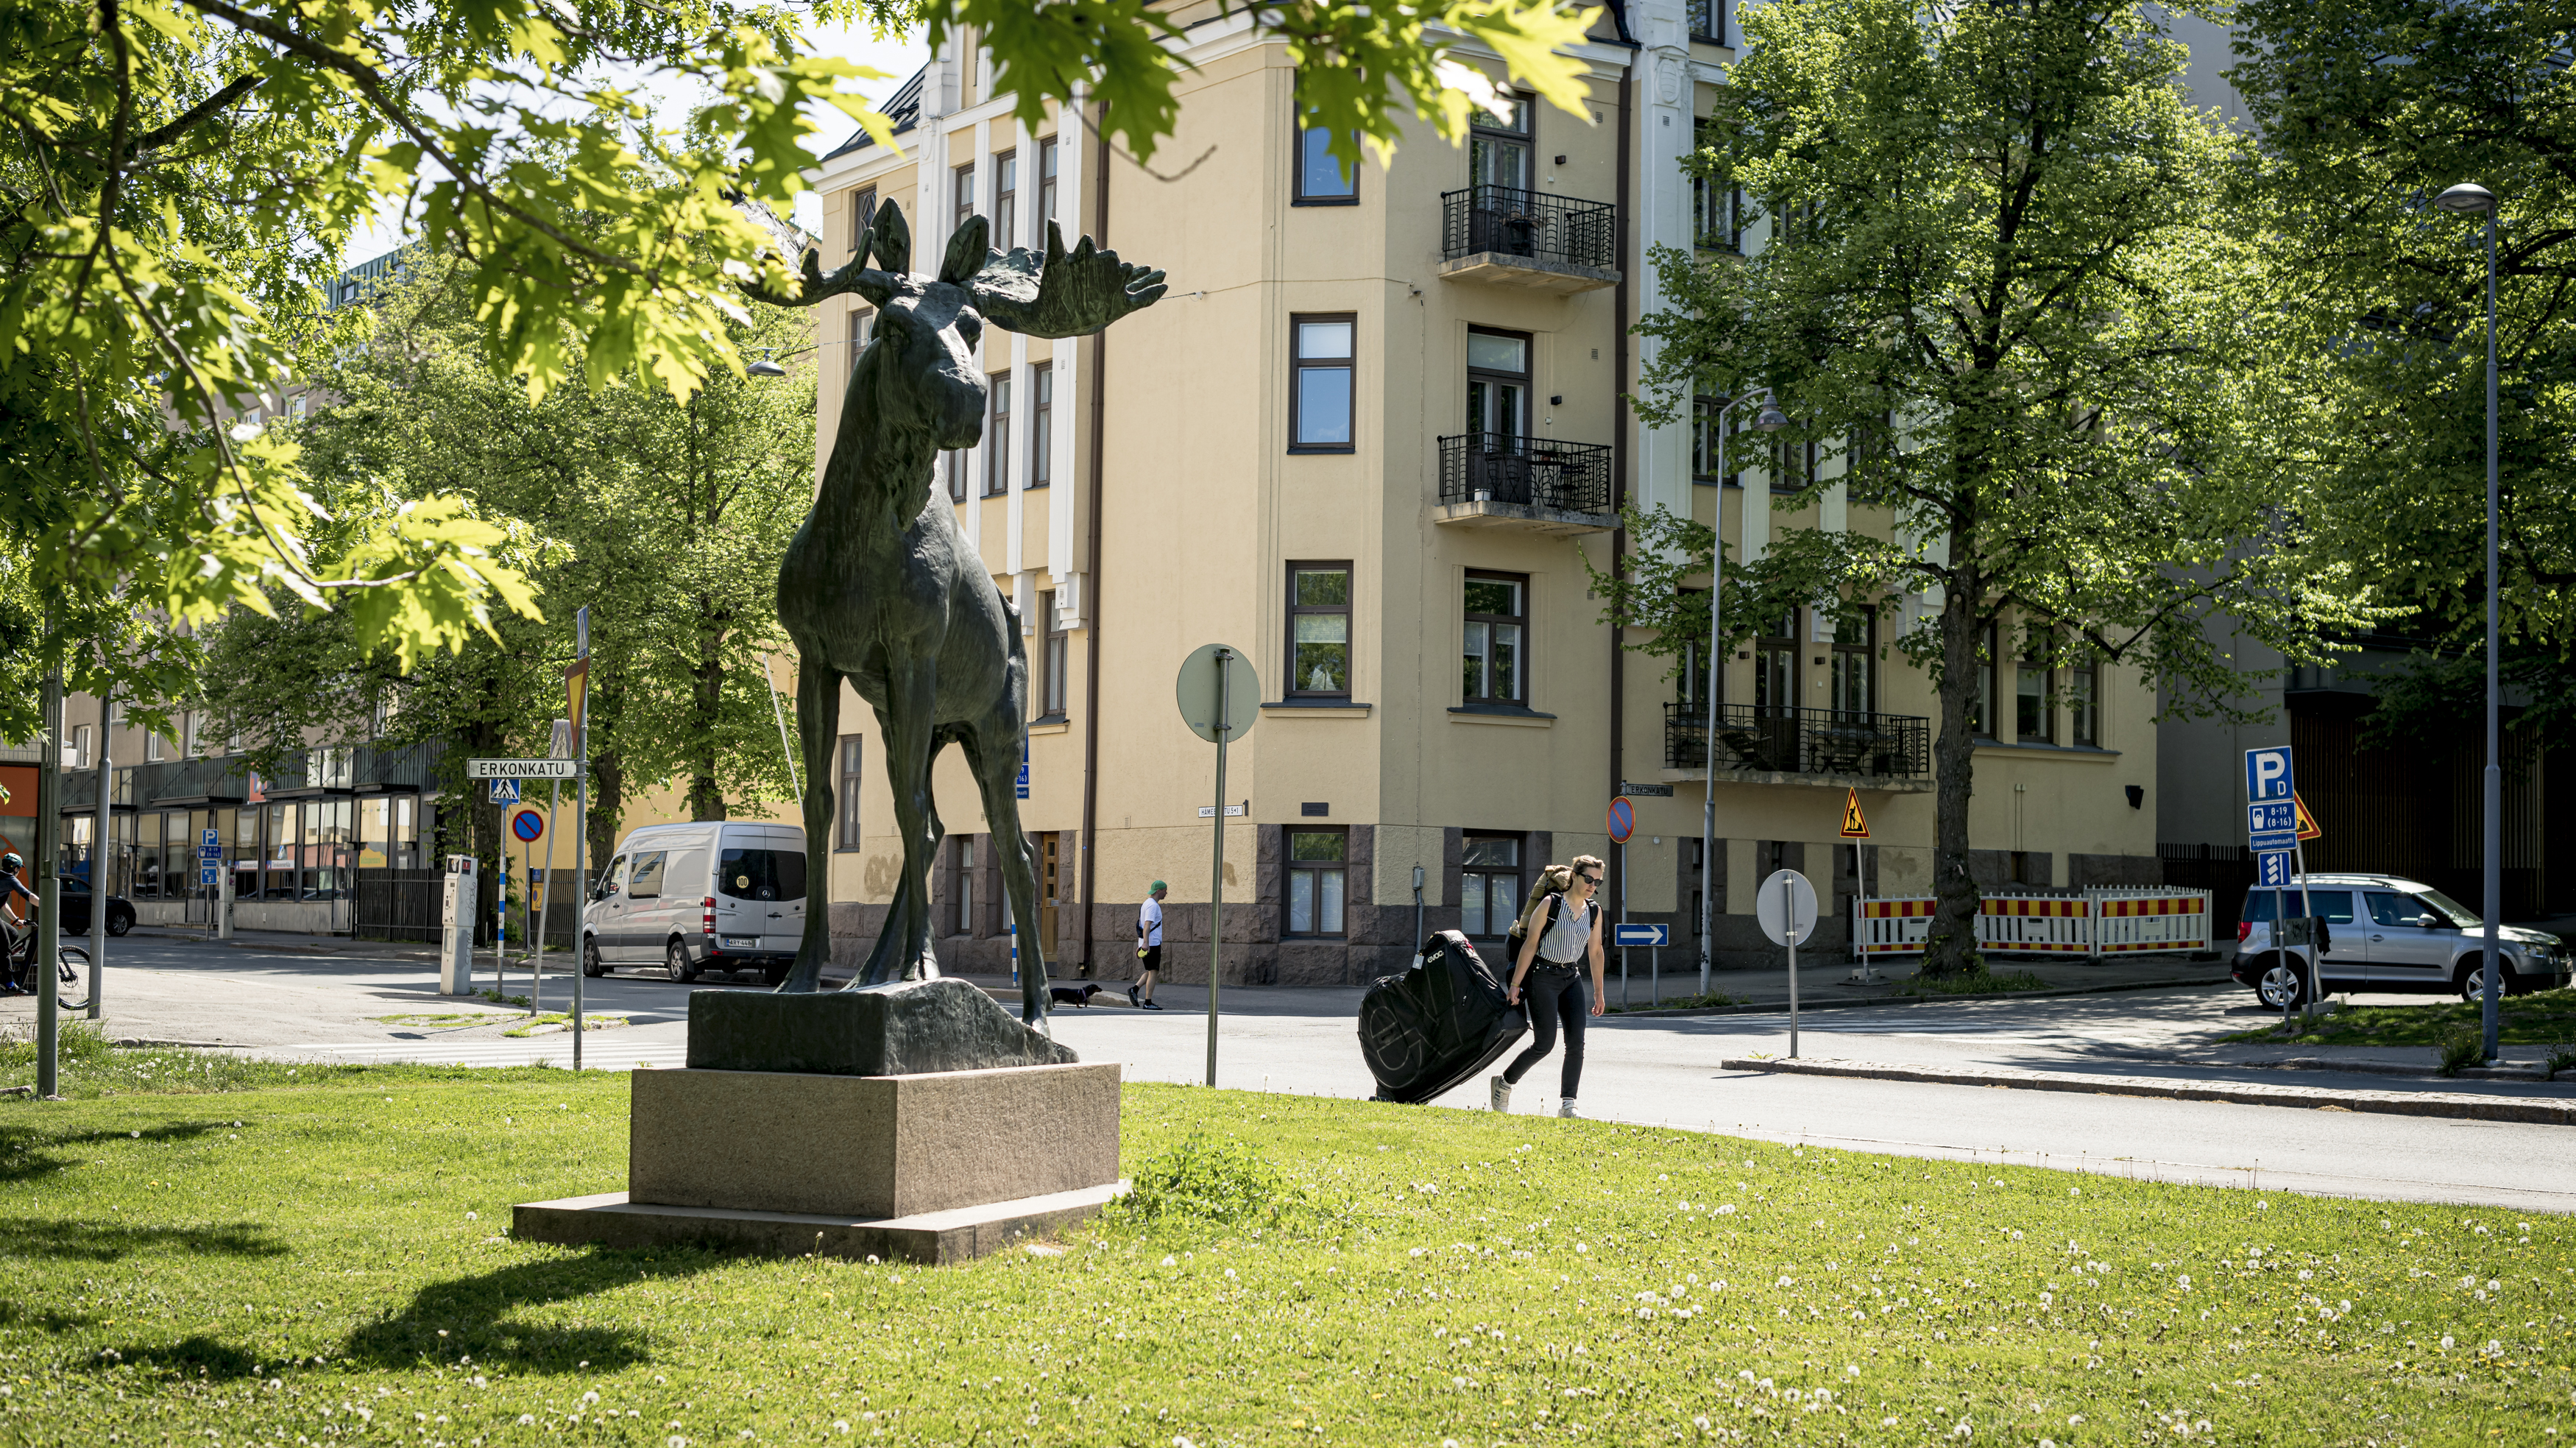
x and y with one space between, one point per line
1641 935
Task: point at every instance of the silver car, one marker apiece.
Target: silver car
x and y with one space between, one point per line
2384 933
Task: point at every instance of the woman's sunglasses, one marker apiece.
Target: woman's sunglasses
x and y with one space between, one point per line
1589 879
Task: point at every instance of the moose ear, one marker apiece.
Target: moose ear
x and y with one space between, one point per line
892 243
967 251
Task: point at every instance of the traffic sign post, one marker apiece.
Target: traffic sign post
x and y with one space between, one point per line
1856 829
1786 907
2272 827
1623 826
1219 696
1649 938
576 700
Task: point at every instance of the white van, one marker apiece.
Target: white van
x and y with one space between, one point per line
722 896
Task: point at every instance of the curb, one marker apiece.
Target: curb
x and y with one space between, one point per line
2390 1068
2391 1103
1782 1007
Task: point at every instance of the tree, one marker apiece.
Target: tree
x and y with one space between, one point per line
189 172
665 516
1998 283
2368 109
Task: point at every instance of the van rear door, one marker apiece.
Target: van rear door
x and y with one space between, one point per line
760 887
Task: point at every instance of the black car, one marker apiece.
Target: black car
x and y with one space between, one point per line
120 911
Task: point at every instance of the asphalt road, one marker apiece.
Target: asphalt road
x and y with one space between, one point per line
1656 1070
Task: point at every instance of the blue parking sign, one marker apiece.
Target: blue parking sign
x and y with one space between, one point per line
2275 868
2267 774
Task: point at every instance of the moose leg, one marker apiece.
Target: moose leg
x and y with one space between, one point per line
818 712
906 718
997 776
889 959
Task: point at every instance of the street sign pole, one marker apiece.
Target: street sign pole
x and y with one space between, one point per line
1216 873
49 824
580 689
102 852
1788 907
1785 906
1219 696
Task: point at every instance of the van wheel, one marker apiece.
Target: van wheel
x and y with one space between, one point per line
2283 985
773 975
679 965
591 964
2473 978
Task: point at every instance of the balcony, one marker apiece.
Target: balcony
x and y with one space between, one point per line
1528 239
1493 480
1834 747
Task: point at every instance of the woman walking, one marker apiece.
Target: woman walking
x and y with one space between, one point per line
1561 927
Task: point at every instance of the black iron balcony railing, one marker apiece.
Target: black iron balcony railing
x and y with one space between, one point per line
1798 741
1493 467
1533 224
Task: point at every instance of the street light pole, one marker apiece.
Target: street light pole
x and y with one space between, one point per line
2470 198
1768 419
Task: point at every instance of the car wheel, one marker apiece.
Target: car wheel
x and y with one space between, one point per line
2473 979
773 975
2282 986
678 964
591 964
119 921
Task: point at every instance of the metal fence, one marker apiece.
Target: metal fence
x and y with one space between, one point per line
1507 221
2106 921
1493 467
1798 741
391 903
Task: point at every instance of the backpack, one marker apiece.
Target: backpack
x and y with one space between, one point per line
1433 1028
1519 933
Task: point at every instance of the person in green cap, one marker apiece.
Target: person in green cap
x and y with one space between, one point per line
1149 949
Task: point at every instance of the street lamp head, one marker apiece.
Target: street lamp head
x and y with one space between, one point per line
2468 197
1770 419
765 368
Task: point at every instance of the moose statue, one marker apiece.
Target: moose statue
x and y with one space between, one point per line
881 587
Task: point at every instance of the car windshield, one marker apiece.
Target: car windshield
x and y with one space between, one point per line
762 874
2461 916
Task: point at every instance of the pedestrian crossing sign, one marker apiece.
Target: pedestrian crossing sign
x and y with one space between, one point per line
2307 822
1854 826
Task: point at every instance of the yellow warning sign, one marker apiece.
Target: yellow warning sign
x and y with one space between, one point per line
2307 822
1854 827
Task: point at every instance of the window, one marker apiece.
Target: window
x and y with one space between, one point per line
76 750
863 210
1705 448
1793 465
2034 720
1046 188
1498 147
961 898
1717 214
1319 628
2083 704
1775 665
1322 179
1497 614
846 827
965 183
1006 200
645 881
756 874
155 749
1051 660
1320 390
1489 884
1708 20
997 434
2334 905
1691 676
1498 383
1854 686
1981 721
863 325
957 474
1316 870
1041 424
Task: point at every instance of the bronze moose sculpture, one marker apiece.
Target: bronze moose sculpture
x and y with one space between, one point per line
881 587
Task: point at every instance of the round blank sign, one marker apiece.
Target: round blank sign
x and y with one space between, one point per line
1786 907
1198 691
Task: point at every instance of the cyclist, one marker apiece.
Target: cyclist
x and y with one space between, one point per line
11 887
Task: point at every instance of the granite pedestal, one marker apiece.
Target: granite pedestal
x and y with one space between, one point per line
934 1163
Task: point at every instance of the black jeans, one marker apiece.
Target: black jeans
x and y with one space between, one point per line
1551 992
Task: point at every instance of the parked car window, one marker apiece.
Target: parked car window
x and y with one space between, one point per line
2460 916
762 875
645 883
611 880
2334 905
2391 909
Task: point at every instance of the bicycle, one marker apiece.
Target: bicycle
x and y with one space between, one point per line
71 967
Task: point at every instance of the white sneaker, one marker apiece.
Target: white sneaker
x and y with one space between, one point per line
1566 1108
1502 1093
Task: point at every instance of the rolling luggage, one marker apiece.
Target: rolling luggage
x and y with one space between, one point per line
1438 1024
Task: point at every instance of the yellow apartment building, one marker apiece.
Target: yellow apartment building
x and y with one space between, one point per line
1370 438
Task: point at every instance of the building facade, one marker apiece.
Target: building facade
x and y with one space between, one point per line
1376 438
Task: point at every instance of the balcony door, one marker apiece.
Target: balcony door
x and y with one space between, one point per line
1498 386
1775 665
1498 148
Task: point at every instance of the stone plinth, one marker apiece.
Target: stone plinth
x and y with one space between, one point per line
898 1029
610 1220
870 1147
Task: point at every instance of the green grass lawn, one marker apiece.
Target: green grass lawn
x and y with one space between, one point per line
330 1261
2542 1018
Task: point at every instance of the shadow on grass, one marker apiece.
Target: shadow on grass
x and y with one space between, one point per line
29 1153
474 1314
198 1356
114 1242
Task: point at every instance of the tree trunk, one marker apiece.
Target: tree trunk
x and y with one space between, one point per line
706 715
607 770
1952 946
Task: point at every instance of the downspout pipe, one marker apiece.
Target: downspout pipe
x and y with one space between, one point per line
1091 605
1623 446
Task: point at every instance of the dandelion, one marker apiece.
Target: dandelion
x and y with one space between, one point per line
1582 1247
1726 1209
2075 1420
2494 1286
527 1420
1229 1272
1700 1422
2184 1281
840 1425
2262 1206
2305 1274
1169 1261
2446 1342
2072 1192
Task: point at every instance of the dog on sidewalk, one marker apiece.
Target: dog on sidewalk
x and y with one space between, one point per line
1077 996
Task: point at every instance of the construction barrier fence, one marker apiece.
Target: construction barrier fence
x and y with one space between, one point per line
2095 923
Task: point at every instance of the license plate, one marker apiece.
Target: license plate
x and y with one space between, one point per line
738 942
